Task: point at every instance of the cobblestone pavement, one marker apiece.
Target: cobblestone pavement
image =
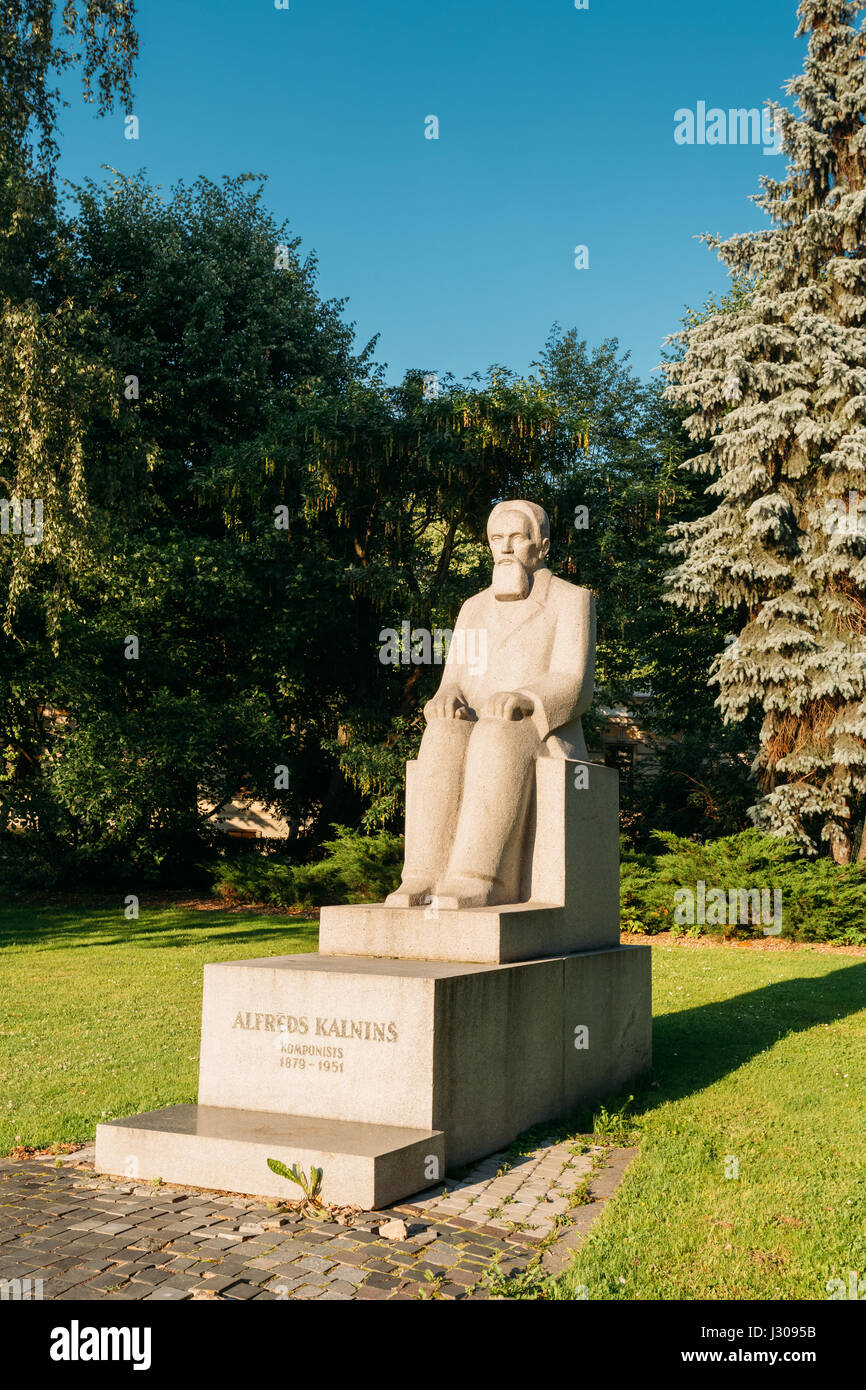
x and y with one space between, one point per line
89 1238
530 1194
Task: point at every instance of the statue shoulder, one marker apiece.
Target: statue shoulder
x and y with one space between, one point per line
474 604
562 591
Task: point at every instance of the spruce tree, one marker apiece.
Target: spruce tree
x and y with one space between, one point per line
777 391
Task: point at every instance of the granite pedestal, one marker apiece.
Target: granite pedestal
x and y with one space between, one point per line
415 1039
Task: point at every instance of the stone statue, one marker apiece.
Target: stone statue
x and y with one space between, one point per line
456 1035
518 698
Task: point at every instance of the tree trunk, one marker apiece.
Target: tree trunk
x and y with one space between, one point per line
840 843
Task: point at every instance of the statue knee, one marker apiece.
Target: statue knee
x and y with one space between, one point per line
443 735
505 737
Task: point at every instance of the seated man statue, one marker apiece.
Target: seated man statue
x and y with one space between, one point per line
468 813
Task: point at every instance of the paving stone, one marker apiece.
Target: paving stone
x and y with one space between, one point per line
382 1281
151 1276
354 1257
262 1277
178 1280
56 1287
441 1260
217 1282
313 1265
351 1276
281 1288
231 1264
241 1289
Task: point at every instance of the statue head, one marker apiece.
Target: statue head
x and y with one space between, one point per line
519 536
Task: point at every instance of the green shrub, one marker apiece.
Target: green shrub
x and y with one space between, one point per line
255 879
356 869
23 866
821 901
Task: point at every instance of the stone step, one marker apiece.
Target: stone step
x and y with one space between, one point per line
479 935
364 1165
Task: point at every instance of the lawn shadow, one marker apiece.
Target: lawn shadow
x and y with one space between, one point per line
156 927
695 1048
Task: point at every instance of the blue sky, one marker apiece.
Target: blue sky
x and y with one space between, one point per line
556 129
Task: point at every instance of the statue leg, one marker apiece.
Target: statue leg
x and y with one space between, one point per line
431 809
484 865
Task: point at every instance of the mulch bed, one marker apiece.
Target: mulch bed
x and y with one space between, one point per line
763 943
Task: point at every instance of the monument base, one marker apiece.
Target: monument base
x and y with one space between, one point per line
384 1071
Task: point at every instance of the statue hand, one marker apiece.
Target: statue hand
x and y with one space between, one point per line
448 706
509 705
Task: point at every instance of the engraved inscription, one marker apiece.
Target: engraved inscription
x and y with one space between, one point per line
312 1056
363 1029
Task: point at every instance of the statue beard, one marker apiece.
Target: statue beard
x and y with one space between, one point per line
511 581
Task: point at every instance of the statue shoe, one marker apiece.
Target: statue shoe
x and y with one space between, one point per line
413 892
465 892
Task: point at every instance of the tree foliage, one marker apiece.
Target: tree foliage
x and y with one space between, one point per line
237 503
777 389
39 41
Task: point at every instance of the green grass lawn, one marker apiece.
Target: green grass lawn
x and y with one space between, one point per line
100 1017
758 1058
